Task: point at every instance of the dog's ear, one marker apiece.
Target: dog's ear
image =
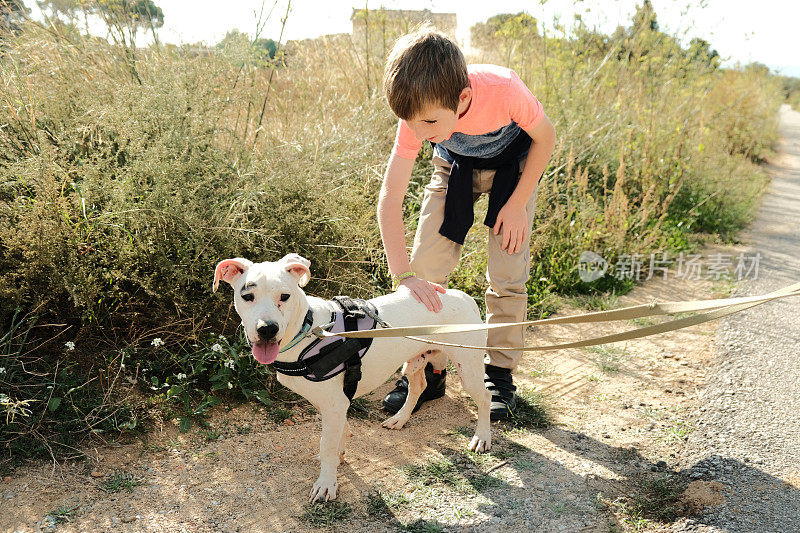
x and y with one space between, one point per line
229 270
295 258
298 267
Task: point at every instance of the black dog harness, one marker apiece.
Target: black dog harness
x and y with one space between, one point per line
328 356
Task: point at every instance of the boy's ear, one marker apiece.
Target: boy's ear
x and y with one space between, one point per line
229 270
466 94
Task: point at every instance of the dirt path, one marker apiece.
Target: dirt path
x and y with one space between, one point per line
617 411
748 435
609 462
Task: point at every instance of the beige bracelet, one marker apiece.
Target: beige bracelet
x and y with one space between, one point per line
400 277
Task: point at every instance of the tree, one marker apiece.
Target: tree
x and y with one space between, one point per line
63 14
700 51
490 34
60 9
240 50
645 17
124 18
265 48
511 35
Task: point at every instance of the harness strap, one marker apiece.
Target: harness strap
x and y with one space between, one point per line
297 368
352 364
340 352
352 375
351 308
332 355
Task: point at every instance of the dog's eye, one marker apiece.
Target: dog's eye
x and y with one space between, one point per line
248 297
284 297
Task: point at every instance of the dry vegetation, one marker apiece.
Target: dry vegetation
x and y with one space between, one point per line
125 175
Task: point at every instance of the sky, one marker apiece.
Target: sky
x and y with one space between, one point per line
741 31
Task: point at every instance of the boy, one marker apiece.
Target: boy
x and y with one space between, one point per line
490 135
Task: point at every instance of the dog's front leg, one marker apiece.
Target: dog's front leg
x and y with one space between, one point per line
334 419
346 434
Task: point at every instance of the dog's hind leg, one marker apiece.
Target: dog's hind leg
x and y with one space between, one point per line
345 437
471 370
415 372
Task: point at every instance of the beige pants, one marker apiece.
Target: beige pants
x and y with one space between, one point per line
433 257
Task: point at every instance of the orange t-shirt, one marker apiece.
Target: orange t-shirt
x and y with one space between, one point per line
501 105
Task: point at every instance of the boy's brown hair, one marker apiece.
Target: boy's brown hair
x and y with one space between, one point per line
424 68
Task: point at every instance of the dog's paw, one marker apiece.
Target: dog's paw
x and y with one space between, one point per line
323 490
395 422
479 444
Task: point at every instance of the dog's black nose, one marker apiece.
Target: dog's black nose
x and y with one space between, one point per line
267 331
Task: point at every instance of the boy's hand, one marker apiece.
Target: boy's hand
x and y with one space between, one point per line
425 292
514 222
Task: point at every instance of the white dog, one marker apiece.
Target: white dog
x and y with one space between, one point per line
273 309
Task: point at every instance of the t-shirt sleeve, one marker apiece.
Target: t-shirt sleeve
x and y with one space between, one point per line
523 108
406 144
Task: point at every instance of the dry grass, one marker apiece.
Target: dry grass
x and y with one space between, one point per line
125 175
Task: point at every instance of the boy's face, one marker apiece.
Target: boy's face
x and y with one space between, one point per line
435 123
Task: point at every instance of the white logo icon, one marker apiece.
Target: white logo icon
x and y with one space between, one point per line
591 266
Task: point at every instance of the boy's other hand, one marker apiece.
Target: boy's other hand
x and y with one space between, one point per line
513 221
425 292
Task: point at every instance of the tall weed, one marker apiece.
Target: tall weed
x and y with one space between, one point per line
119 193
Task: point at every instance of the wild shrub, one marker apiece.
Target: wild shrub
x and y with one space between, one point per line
120 192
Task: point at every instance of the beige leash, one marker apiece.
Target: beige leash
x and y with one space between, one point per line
722 307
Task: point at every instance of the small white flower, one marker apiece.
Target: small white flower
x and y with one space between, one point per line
2 370
157 342
216 348
181 376
70 345
229 363
222 337
229 385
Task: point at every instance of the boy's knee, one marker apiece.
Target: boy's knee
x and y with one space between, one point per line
509 281
508 292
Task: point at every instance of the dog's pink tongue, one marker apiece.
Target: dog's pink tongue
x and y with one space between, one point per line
265 352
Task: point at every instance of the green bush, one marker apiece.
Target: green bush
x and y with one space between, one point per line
120 193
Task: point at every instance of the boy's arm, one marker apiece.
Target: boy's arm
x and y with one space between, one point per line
390 223
512 218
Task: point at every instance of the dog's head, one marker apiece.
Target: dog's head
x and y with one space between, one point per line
268 298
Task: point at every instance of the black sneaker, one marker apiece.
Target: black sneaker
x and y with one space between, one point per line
498 381
433 389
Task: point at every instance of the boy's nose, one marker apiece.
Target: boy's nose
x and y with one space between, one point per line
420 132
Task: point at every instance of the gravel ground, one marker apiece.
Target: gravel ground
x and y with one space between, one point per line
748 425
